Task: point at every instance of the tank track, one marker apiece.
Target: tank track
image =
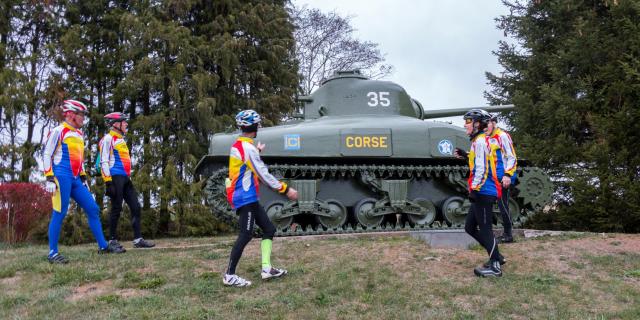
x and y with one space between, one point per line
533 192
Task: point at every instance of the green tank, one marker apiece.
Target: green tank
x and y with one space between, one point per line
363 158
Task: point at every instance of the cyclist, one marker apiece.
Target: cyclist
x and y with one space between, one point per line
505 154
66 178
484 189
246 169
115 167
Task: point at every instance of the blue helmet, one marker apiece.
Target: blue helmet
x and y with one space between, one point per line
247 118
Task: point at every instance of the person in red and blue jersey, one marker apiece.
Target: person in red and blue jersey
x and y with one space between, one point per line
115 167
505 154
484 189
64 170
246 170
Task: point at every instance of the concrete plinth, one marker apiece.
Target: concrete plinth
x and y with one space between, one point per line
445 238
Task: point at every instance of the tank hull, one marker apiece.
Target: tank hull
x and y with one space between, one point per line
363 158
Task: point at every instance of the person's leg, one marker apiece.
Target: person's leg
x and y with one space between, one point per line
131 198
60 202
262 220
484 218
507 223
85 200
471 225
116 205
247 217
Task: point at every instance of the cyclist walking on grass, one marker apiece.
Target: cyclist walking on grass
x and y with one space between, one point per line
484 189
246 170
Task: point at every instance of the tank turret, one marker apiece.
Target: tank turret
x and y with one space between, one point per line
362 156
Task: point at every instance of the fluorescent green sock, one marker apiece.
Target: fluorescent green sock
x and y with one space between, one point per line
265 247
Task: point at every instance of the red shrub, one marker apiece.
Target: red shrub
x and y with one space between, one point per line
22 205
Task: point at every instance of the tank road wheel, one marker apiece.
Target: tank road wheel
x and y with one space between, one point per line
514 209
428 217
338 215
274 213
364 219
454 211
535 188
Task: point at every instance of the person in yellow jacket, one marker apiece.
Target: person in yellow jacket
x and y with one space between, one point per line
114 163
484 189
507 162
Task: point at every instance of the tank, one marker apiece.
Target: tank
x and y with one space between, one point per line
363 158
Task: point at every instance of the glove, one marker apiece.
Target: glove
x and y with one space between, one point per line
83 178
461 153
109 189
473 196
51 185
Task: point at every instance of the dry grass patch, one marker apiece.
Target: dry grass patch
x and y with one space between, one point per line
353 277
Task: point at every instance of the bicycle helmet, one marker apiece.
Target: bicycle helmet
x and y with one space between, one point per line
246 118
74 106
114 117
477 115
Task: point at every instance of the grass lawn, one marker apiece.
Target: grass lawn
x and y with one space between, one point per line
591 276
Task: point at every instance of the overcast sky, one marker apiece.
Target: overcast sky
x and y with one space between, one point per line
440 50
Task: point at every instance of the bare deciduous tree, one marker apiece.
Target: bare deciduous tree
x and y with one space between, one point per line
325 43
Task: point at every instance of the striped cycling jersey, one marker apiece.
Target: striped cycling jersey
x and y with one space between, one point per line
502 149
482 168
114 156
246 169
64 152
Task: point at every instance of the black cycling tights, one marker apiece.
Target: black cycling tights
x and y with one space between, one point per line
480 217
503 204
248 214
123 189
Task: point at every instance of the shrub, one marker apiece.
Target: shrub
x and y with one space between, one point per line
22 206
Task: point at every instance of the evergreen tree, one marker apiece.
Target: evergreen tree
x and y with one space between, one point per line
92 63
574 76
27 34
197 63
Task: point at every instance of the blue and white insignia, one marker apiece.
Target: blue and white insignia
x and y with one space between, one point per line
292 142
445 147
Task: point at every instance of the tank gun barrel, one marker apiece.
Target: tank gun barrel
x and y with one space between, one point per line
431 114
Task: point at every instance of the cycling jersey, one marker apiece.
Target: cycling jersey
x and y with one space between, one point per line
64 152
246 169
482 166
63 159
114 156
507 154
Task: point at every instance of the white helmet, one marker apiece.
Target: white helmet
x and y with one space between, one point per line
74 106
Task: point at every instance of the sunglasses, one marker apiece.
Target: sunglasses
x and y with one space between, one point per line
468 121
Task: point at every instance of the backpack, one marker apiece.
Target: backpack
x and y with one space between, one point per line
98 166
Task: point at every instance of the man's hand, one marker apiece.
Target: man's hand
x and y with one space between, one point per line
460 154
51 185
260 146
292 194
506 181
